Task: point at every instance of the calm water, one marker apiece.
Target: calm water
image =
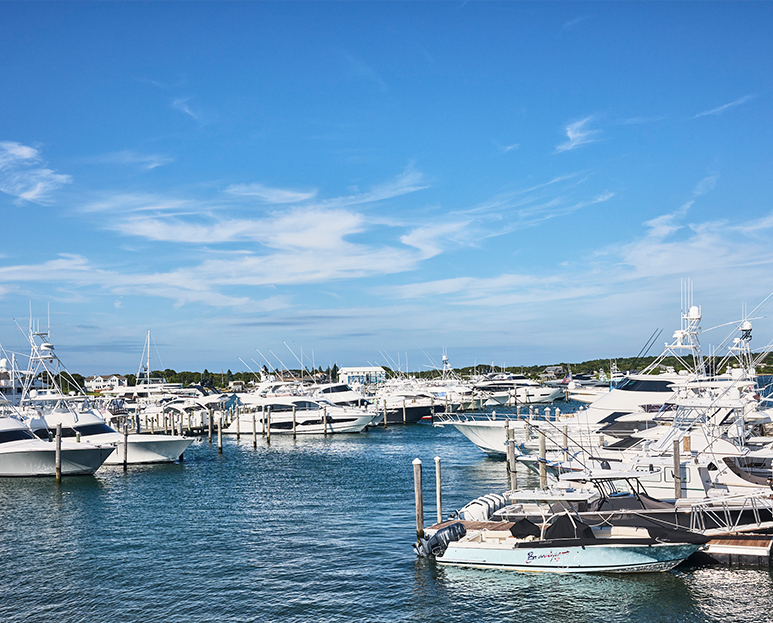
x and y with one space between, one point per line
313 530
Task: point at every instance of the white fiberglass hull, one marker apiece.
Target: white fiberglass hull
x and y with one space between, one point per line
304 425
32 458
150 449
601 558
536 395
490 435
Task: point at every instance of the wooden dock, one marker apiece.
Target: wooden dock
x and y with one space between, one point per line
740 549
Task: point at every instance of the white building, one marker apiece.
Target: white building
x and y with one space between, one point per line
100 383
366 375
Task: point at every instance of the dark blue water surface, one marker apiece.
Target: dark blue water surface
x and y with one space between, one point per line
318 529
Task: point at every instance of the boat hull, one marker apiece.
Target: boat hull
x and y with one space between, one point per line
557 558
490 435
304 425
81 461
150 449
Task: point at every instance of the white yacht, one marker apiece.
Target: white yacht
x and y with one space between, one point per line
404 400
338 393
312 417
517 388
609 417
80 420
44 409
24 454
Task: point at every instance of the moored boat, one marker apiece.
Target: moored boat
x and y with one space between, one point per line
563 544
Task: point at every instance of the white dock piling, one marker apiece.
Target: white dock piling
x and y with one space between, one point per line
405 421
294 422
220 433
543 474
238 427
418 498
268 425
254 431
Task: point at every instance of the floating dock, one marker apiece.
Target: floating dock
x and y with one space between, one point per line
740 549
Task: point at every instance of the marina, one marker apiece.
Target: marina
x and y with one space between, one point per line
402 283
312 529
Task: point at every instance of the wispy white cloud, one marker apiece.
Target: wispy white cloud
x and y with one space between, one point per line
270 195
720 109
362 71
666 224
129 157
506 148
408 182
607 283
528 207
573 23
578 134
200 222
22 176
181 104
428 239
641 120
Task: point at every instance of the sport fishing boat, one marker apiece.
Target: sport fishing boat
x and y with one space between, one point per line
24 454
80 420
44 409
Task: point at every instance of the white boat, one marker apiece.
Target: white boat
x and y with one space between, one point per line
489 431
24 454
43 410
80 420
338 393
404 400
563 544
450 390
619 498
608 418
517 388
312 417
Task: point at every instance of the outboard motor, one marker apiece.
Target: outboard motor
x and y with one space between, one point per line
438 542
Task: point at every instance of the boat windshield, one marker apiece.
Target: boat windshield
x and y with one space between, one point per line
639 385
85 430
15 435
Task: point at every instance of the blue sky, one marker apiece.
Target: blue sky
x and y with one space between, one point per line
522 183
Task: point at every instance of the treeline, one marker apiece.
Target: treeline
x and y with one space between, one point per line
221 380
593 366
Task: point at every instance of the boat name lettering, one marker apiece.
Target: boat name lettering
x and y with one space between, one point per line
551 556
